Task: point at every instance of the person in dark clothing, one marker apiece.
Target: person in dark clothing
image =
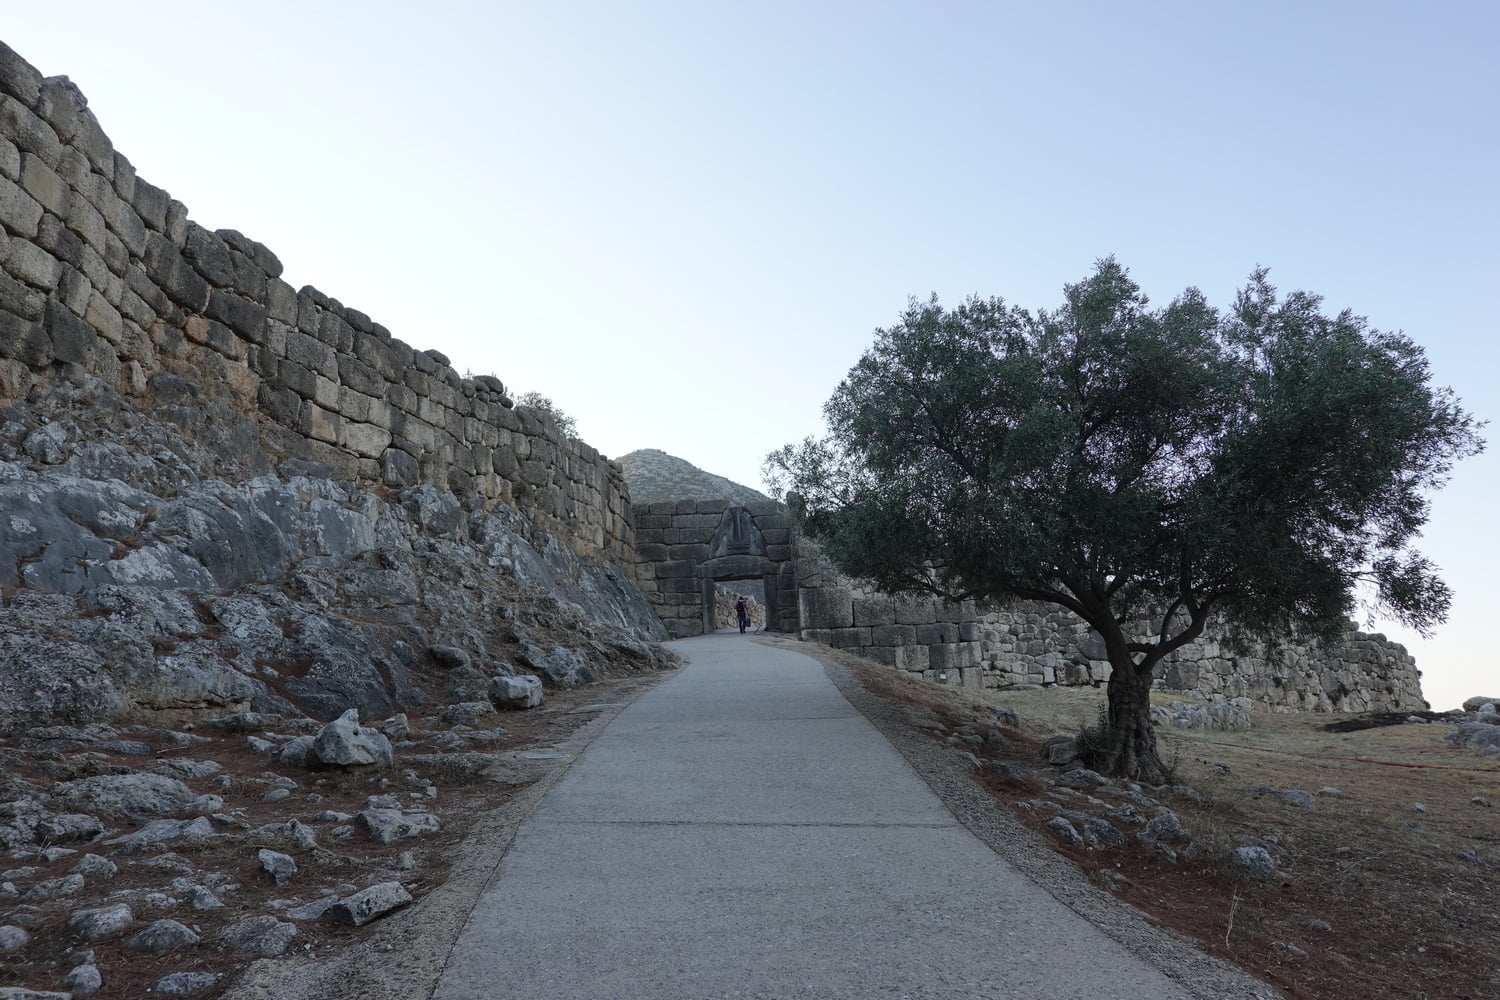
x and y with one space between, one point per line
742 612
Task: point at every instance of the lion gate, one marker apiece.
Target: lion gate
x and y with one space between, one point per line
685 548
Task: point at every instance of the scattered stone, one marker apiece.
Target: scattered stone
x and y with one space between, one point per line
205 805
405 861
52 887
1328 791
84 979
125 795
1127 813
263 937
313 910
331 816
1100 834
1255 861
466 713
388 825
1477 703
1165 828
279 866
276 795
294 751
1230 716
202 898
1064 831
369 904
160 832
13 937
1480 800
22 993
1084 779
181 984
1009 774
52 854
1007 716
1060 750
1290 950
345 743
1290 796
1419 807
101 922
163 936
396 727
296 831
382 802
1317 925
518 692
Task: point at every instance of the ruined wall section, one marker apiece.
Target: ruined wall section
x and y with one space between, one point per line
102 274
1028 644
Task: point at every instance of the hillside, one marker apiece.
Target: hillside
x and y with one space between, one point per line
654 476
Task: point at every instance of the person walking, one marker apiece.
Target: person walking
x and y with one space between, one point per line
742 612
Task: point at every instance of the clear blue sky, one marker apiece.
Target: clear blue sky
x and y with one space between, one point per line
683 221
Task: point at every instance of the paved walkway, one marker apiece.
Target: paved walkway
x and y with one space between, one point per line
741 831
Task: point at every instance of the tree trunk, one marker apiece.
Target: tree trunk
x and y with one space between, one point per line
1127 747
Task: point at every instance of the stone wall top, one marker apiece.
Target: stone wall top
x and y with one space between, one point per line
102 274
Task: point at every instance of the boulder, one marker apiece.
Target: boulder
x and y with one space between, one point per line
564 667
1479 701
466 713
345 743
261 937
388 825
163 936
84 980
518 692
161 832
1165 828
279 866
1064 831
368 904
182 984
1060 750
12 937
125 795
101 922
1253 861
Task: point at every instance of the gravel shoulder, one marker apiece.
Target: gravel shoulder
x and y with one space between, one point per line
403 955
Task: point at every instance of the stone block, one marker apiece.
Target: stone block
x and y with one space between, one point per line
104 318
10 158
873 611
937 632
28 131
312 354
19 78
880 654
914 658
19 212
43 184
241 315
72 339
891 635
778 553
696 553
28 262
675 569
150 203
848 638
86 220
915 612
130 227
826 607
774 536
319 424
365 440
170 272
209 255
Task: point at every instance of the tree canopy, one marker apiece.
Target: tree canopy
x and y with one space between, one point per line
1267 463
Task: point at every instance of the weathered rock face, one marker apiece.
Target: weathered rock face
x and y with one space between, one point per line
181 581
219 494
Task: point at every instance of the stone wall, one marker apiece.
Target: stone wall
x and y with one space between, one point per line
683 546
102 274
1041 645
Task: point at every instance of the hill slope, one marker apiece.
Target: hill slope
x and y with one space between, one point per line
654 476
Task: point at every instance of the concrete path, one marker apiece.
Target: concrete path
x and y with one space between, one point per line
741 831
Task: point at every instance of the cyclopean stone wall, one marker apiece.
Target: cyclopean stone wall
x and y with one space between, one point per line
1035 644
102 274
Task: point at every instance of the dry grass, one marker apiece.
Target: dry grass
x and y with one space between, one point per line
1374 898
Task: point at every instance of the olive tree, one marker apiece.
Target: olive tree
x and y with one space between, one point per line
1145 468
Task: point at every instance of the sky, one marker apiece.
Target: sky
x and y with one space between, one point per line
683 221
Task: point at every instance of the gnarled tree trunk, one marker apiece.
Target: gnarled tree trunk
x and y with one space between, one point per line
1126 747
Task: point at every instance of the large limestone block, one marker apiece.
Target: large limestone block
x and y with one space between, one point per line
826 607
366 440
